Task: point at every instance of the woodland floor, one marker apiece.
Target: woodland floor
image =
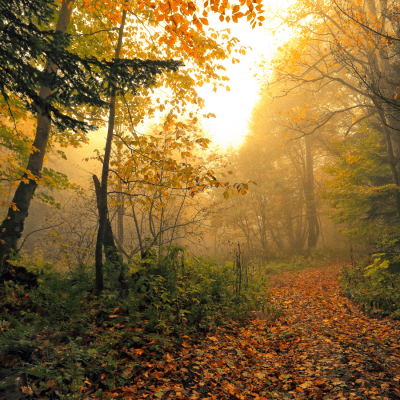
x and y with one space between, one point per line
322 347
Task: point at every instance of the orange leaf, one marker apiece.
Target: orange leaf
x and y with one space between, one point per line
26 390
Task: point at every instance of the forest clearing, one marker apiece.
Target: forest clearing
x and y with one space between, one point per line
311 342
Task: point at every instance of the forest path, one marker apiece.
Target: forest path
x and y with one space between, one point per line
322 347
325 347
311 343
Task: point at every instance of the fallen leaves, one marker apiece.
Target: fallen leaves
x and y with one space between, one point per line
322 347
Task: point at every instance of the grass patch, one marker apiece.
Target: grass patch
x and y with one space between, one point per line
300 262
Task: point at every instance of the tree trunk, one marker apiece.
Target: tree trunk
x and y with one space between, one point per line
103 208
12 227
109 246
120 219
110 249
311 207
120 196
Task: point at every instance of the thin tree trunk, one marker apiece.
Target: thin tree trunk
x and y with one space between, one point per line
103 209
12 227
141 246
177 216
109 246
120 196
311 208
120 219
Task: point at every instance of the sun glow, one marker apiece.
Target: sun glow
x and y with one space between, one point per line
233 109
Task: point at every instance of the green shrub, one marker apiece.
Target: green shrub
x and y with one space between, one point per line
373 286
167 298
194 293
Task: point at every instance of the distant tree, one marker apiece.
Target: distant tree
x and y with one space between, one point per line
360 189
353 46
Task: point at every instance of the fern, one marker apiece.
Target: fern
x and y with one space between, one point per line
40 372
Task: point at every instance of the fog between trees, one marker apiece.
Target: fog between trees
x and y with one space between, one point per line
320 156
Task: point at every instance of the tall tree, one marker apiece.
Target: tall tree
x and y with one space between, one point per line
181 28
13 225
354 45
154 68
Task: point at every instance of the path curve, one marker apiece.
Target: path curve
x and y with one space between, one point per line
322 348
337 351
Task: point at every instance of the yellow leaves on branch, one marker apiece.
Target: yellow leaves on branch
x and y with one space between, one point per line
176 13
237 188
182 36
111 9
209 115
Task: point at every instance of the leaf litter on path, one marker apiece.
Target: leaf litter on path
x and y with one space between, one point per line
323 347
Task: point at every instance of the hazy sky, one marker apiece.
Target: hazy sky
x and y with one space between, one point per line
233 109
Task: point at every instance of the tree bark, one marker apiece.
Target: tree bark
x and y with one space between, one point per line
309 193
109 246
110 249
103 208
120 196
12 227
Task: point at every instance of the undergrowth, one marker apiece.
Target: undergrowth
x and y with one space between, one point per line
68 340
302 261
375 286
